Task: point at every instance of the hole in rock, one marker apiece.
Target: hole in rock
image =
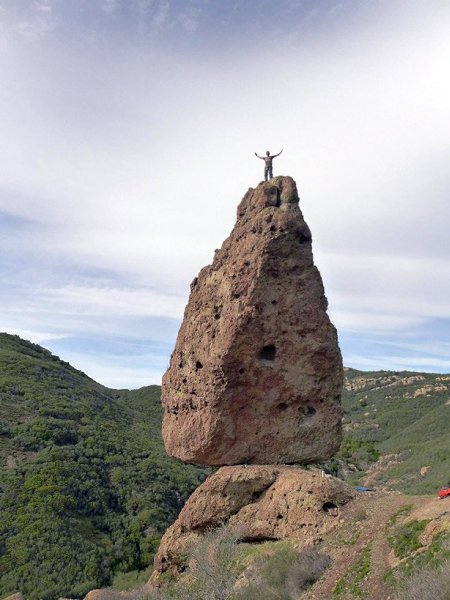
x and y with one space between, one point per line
217 316
330 508
256 496
258 540
279 517
303 238
310 411
268 353
198 365
273 196
282 406
273 228
241 370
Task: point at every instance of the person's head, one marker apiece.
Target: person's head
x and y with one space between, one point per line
267 153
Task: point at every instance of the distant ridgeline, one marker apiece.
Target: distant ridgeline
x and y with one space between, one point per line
87 489
403 420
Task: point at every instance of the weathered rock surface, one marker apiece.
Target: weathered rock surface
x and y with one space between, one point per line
262 502
256 373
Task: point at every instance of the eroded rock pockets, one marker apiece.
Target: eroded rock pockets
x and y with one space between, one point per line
256 373
262 502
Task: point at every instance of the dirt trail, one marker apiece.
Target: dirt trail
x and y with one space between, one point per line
357 532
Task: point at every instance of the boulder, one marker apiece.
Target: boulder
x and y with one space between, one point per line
256 373
262 503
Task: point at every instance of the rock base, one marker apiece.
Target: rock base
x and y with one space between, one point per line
263 502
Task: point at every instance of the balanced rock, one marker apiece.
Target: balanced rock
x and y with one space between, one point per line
256 373
261 503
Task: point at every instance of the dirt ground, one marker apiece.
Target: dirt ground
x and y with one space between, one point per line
364 524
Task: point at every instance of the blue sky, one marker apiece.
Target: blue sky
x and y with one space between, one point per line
128 129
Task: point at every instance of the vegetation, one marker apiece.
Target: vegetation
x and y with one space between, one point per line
86 489
420 565
405 541
405 415
221 568
428 584
351 581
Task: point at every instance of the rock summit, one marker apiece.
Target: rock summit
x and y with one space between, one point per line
256 373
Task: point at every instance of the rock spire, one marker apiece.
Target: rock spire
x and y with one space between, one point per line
256 373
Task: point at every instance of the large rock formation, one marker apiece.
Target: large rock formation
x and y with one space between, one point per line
256 374
262 503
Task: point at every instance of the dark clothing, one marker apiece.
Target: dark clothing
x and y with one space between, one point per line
268 158
268 171
268 167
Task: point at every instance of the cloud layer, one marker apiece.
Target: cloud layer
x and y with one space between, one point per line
128 132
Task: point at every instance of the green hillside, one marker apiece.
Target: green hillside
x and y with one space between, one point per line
86 489
404 419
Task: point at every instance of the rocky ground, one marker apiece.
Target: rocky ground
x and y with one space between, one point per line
372 521
375 538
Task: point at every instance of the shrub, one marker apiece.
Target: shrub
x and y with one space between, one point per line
284 573
270 571
428 584
213 567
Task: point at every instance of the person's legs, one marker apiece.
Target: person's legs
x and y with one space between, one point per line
266 171
270 173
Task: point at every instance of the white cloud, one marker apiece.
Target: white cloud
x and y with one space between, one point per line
135 162
37 337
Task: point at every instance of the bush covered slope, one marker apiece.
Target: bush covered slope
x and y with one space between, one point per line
86 487
402 418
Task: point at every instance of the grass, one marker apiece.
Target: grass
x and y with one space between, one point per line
405 540
351 581
424 571
133 579
389 414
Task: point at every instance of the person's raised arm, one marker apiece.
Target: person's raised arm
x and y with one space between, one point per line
275 155
259 156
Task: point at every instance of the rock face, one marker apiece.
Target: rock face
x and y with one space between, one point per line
256 373
263 502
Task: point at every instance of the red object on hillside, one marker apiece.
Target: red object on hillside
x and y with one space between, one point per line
444 492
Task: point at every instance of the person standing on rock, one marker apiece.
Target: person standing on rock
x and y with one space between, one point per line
268 160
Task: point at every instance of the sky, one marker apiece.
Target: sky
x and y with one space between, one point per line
127 138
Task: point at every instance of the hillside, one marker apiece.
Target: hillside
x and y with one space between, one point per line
86 487
379 546
403 420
